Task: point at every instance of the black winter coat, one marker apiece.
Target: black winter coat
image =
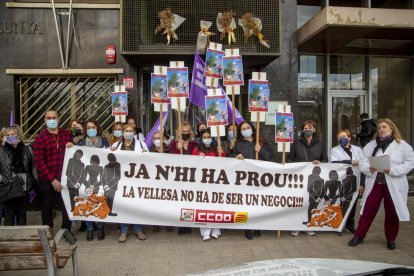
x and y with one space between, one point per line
314 151
368 129
247 149
6 163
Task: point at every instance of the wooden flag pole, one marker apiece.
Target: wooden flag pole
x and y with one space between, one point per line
233 108
161 130
218 139
257 133
179 122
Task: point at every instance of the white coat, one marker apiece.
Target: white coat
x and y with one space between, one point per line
140 146
338 154
402 162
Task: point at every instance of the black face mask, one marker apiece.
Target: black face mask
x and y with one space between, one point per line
185 136
76 132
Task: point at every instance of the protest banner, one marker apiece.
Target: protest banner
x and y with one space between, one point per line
195 191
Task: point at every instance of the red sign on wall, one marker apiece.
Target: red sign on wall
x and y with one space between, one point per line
128 82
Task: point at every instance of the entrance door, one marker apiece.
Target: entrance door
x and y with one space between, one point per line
345 107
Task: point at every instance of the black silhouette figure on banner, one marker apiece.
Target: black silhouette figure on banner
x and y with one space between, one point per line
332 187
349 186
315 190
110 179
93 175
75 175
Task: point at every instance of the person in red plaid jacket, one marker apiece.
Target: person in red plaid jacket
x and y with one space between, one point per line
49 153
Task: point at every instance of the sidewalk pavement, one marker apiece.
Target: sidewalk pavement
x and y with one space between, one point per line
166 253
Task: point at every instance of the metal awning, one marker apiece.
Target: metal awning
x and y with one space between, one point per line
358 31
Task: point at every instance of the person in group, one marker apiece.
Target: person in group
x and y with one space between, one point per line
207 148
76 131
368 129
16 169
231 139
346 153
308 148
93 177
116 132
156 147
129 143
200 128
139 135
389 187
187 146
246 148
49 152
316 191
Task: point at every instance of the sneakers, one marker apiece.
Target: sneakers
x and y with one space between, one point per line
214 235
206 237
355 241
310 233
140 235
248 234
122 238
294 233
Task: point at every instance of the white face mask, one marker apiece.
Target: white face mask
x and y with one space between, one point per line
129 135
157 143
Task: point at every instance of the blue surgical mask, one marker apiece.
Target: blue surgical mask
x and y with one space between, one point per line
231 135
117 133
343 141
207 142
12 139
129 135
52 124
92 132
247 133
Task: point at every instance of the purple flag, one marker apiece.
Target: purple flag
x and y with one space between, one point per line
155 128
198 90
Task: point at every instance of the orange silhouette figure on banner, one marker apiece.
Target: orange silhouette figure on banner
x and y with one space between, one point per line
92 205
329 215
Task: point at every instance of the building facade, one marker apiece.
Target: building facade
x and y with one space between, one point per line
330 61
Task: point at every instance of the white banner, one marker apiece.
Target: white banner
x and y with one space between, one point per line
195 191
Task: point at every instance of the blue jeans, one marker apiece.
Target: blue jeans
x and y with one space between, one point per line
89 225
124 228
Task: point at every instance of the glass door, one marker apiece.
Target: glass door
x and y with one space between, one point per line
345 107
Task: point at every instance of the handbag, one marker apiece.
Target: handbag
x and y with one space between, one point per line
11 189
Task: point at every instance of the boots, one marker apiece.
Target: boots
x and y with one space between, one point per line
89 235
101 233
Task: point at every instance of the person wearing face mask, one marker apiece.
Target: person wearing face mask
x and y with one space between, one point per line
138 131
187 143
200 128
246 148
308 148
230 141
129 143
187 146
156 147
117 134
16 177
346 153
93 139
76 130
49 153
389 186
208 148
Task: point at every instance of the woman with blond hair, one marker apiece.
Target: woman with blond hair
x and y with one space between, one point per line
389 186
16 176
184 146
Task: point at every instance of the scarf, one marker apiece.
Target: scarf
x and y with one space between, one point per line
97 144
382 144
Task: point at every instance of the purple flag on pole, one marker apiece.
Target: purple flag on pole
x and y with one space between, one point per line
155 128
198 90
